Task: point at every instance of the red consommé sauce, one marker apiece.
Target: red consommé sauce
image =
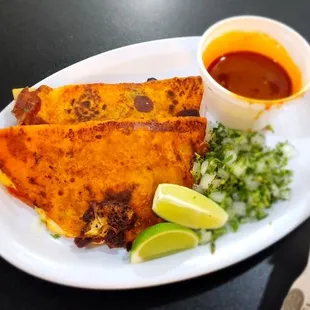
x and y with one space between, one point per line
251 75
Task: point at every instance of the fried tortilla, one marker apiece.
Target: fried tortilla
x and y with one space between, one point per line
98 102
95 181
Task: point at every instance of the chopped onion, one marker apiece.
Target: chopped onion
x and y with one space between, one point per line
260 166
222 174
251 184
238 169
204 236
198 188
258 139
275 190
285 194
239 208
216 183
289 151
236 196
253 214
230 157
204 167
227 141
206 180
217 196
196 168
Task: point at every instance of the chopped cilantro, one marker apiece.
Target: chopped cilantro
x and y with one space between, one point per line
212 244
269 128
55 236
243 175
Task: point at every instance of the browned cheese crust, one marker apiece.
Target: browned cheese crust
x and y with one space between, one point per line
72 104
96 180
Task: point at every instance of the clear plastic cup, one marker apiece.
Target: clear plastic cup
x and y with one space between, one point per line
243 113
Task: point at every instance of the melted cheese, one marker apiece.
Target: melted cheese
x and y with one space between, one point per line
6 181
16 92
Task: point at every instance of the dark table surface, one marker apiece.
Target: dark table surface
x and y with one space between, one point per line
38 38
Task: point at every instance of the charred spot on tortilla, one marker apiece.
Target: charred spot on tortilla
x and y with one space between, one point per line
83 114
87 105
170 93
43 194
82 242
171 108
70 135
120 196
178 157
36 156
32 180
115 239
108 220
144 104
188 112
151 79
120 217
89 215
129 246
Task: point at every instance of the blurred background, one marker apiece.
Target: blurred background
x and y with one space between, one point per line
40 37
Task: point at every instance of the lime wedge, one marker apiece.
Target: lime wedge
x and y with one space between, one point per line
184 206
161 240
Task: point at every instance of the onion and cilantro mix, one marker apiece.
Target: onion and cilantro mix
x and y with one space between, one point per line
243 175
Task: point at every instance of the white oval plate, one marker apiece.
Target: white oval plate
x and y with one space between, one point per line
25 243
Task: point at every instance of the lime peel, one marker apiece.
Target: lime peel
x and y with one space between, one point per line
184 206
161 240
